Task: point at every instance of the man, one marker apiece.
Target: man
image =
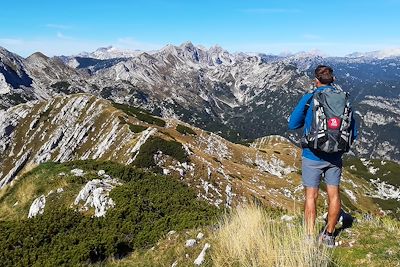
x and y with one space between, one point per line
316 163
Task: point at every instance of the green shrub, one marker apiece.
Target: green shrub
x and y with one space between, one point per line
146 208
136 128
140 114
133 127
61 87
185 130
389 172
145 158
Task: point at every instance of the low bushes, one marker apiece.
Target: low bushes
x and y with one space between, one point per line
140 114
147 207
185 130
145 158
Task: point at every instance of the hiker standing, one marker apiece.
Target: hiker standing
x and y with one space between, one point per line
329 130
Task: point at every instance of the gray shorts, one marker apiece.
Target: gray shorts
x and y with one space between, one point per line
312 171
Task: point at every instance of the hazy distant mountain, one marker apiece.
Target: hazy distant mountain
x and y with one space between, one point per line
381 54
110 52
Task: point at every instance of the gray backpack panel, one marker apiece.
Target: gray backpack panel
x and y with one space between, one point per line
331 125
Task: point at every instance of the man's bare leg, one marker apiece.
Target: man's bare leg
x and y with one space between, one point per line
310 208
334 207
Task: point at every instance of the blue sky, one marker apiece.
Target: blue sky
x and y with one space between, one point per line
69 27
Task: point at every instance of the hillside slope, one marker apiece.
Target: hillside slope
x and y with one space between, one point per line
82 126
71 191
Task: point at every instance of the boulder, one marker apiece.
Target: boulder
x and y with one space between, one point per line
95 194
190 243
37 206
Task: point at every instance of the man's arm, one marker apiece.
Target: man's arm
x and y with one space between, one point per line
296 119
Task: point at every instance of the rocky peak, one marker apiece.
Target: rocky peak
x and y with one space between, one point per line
168 47
106 49
187 46
36 56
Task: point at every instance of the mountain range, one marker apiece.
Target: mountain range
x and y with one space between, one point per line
238 96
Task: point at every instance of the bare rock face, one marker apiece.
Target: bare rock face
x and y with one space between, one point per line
57 130
95 195
37 206
5 88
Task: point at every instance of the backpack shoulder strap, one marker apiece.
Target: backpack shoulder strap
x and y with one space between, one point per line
308 103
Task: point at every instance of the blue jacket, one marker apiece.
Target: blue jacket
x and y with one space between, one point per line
300 118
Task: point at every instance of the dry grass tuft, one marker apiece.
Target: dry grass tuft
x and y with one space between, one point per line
391 225
26 192
250 237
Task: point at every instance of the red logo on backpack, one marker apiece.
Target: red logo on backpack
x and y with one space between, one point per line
334 123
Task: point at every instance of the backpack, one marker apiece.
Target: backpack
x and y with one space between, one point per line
330 129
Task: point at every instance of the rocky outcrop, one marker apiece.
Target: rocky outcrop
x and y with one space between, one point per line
77 172
73 127
95 195
37 206
275 166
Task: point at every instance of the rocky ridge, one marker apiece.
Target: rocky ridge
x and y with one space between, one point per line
82 126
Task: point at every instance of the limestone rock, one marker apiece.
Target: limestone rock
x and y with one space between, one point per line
190 243
77 172
37 206
200 236
95 194
200 259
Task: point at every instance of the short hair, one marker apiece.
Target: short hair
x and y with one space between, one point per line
324 74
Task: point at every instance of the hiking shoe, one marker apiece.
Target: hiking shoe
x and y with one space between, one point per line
327 240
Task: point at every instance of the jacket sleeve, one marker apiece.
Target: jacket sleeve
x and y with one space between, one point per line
296 119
